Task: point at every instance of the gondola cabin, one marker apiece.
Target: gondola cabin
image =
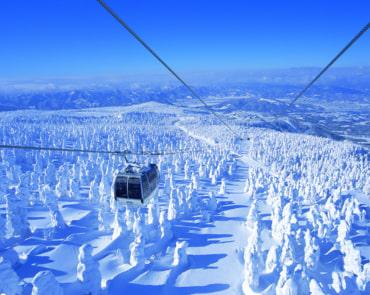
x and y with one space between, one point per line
136 184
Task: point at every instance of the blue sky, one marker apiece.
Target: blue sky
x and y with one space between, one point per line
77 38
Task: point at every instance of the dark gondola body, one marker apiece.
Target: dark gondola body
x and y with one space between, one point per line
136 184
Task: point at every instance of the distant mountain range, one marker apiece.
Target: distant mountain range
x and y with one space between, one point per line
338 84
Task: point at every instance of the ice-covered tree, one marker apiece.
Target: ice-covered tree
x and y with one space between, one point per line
22 190
88 272
137 256
165 226
352 258
51 202
16 216
104 189
119 223
153 218
173 207
251 269
139 224
45 283
311 251
61 188
9 279
288 251
272 260
74 189
315 288
213 179
364 277
222 189
212 204
180 257
338 282
94 191
343 231
50 175
252 214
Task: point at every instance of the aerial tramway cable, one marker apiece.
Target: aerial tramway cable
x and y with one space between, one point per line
118 152
158 58
344 49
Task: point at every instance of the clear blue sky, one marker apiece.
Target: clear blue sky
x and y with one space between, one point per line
67 38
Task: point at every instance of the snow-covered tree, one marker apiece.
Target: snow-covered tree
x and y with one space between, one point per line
119 224
9 279
45 283
311 251
137 256
180 257
94 191
352 258
51 202
165 226
88 272
315 288
50 174
62 184
16 216
74 189
272 261
222 189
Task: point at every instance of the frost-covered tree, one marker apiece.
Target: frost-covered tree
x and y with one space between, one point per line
288 251
88 272
343 231
272 261
213 179
364 277
51 202
192 199
119 223
222 189
251 269
9 279
173 207
311 251
194 181
137 256
104 189
180 257
315 288
139 224
61 188
16 216
22 190
94 191
45 283
352 258
50 175
186 170
252 214
153 218
212 204
338 282
165 226
74 189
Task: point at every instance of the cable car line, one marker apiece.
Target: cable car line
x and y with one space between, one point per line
119 153
158 58
353 41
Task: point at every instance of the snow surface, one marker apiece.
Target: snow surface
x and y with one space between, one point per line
283 213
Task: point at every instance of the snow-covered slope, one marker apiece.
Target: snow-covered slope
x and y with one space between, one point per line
283 213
